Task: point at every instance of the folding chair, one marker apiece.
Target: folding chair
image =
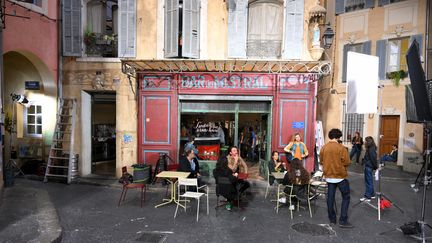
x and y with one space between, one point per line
127 186
292 195
190 182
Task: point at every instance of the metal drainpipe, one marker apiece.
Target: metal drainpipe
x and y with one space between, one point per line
60 48
2 114
427 39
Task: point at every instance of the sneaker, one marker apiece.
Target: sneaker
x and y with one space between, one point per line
365 199
346 225
228 206
373 197
332 223
282 200
291 207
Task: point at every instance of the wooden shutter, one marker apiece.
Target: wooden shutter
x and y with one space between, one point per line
366 47
369 4
127 23
419 39
381 52
383 2
237 28
171 41
340 6
293 41
344 62
191 28
71 25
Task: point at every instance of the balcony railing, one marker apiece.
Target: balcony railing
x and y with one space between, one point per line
99 45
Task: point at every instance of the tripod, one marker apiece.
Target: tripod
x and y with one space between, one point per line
415 186
426 182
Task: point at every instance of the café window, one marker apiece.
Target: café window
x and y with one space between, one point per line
33 121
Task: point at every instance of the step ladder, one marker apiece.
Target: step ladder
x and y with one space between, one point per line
61 158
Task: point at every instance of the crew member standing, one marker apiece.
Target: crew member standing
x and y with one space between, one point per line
335 159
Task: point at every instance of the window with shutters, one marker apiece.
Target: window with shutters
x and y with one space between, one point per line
265 28
396 51
344 6
40 6
182 28
101 28
33 121
352 123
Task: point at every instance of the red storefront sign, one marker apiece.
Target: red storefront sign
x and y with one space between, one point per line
292 95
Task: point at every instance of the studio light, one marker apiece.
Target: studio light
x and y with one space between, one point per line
21 99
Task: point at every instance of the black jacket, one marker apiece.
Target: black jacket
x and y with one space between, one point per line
225 183
271 168
184 165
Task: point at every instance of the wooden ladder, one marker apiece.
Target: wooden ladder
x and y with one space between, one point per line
61 158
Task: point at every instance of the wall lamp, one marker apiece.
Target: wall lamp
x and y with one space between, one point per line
327 37
20 99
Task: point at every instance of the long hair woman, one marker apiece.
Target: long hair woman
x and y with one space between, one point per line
370 163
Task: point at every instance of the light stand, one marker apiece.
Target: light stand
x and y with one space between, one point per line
426 182
11 164
378 193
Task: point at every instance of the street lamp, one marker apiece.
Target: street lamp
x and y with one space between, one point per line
327 38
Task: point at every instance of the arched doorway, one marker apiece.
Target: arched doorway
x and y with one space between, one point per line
29 127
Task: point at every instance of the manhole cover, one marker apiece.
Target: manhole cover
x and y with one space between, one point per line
151 237
313 229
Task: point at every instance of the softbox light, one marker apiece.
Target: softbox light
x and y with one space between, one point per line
418 90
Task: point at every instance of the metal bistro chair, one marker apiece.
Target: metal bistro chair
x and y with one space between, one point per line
292 195
190 182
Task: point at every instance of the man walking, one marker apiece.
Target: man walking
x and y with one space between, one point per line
335 159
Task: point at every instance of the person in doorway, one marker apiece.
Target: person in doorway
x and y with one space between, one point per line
251 144
191 146
244 137
188 163
392 156
357 143
275 165
237 165
296 149
227 190
221 134
334 159
370 164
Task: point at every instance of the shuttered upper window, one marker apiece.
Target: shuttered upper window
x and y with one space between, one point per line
265 28
259 29
344 6
182 33
364 48
397 49
109 28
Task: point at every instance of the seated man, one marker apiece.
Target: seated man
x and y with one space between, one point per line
392 156
189 163
237 165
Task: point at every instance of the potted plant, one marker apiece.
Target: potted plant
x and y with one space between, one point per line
89 37
396 76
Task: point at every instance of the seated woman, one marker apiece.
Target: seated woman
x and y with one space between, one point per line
275 165
298 177
392 156
225 181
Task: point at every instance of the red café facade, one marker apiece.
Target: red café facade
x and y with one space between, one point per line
276 98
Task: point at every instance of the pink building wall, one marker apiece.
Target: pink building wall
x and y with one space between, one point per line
38 35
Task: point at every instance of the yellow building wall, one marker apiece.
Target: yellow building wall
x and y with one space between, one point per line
372 25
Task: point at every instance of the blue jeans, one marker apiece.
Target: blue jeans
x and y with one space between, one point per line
355 151
369 192
344 188
387 158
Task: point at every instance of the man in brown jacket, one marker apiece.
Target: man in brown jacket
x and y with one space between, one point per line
335 159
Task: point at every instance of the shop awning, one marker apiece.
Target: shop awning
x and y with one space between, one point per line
134 66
